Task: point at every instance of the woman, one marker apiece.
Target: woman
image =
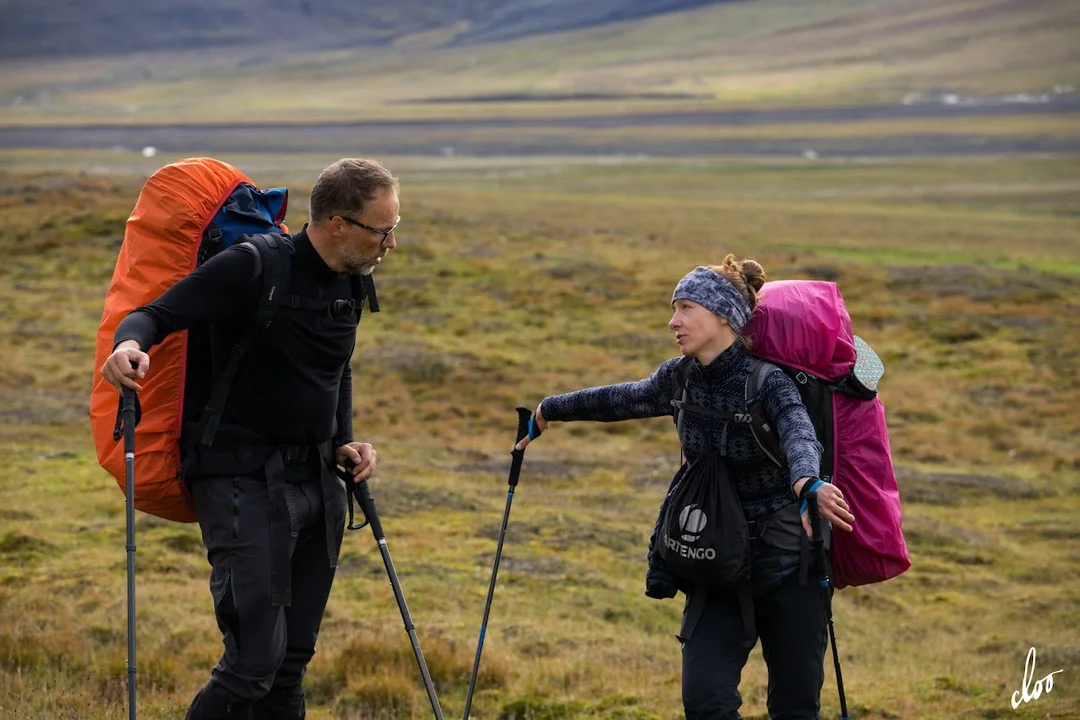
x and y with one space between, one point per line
711 308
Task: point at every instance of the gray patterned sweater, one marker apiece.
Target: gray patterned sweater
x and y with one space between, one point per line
763 486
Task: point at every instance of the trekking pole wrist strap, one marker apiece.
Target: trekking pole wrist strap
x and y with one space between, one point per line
808 487
534 430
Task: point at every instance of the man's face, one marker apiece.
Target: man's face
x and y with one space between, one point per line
362 248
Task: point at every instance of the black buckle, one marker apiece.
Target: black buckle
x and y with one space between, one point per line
213 234
340 307
294 454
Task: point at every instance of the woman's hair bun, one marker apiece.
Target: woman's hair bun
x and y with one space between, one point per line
752 273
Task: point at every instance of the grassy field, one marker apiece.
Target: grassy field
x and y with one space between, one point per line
746 54
519 278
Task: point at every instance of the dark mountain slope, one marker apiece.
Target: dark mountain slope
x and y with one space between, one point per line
48 29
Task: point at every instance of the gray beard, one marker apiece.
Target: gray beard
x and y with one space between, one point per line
357 264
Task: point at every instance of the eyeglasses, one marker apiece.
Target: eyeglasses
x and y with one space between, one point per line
385 233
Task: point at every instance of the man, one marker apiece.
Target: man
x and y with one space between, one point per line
270 509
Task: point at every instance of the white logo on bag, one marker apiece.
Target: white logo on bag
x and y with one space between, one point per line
692 521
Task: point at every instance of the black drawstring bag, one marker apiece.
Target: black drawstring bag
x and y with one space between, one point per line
703 533
704 536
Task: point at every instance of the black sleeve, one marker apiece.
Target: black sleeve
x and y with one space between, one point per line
224 289
344 434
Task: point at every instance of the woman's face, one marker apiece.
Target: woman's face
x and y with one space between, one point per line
697 330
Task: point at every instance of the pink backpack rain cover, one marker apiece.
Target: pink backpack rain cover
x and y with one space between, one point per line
804 324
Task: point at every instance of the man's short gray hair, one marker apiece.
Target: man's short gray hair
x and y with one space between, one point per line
347 186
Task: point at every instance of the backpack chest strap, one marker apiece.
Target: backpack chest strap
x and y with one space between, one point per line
755 411
335 306
683 406
363 289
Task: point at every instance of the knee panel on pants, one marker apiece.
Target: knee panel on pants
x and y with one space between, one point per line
253 636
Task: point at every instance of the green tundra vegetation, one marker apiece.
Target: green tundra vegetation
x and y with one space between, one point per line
517 278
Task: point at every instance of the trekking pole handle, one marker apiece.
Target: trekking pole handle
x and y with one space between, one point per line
367 504
815 516
127 417
524 415
127 403
361 491
128 413
129 400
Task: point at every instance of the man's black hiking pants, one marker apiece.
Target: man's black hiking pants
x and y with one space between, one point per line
267 645
790 620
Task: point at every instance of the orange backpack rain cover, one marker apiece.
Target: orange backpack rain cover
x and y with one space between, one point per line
161 244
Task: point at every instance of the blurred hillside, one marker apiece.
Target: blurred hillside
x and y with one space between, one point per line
169 62
165 61
116 27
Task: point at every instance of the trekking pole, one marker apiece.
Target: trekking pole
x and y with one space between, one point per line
371 517
826 593
524 414
126 420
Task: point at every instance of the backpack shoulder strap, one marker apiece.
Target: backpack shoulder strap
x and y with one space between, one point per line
678 382
363 288
273 262
760 423
678 395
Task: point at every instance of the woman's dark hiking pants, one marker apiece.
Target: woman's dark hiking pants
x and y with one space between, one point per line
267 645
790 620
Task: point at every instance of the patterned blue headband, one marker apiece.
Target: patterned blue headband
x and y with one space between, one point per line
716 294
